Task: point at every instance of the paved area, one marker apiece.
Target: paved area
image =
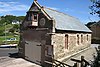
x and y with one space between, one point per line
88 54
15 62
6 51
6 61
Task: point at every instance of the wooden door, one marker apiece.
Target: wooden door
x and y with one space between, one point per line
34 42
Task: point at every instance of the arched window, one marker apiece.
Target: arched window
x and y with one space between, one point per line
35 17
78 39
81 38
66 41
87 38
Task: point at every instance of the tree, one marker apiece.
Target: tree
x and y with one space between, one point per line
89 24
1 33
95 7
16 26
12 30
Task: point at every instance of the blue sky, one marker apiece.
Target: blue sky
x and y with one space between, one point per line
77 8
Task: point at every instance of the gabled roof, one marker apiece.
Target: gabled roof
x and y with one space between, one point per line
63 21
66 22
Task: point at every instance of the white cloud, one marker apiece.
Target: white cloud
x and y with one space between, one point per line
12 6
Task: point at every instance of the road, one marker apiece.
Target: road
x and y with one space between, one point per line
6 61
6 51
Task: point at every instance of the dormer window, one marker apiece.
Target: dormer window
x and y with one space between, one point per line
33 18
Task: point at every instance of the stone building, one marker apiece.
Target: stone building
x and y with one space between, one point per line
95 30
47 33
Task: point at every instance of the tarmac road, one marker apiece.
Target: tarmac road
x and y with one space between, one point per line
6 61
6 51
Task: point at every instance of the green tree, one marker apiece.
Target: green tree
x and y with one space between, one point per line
12 30
1 33
20 18
95 7
16 26
89 24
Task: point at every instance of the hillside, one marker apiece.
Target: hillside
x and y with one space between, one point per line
9 30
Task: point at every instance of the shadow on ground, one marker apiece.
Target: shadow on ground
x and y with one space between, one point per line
14 55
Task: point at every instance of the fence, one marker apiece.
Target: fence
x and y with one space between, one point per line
78 63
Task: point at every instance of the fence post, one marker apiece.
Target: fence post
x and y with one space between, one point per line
82 61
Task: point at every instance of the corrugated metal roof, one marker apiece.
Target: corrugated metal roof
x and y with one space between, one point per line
66 22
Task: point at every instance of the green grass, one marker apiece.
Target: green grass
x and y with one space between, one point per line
8 35
3 40
3 37
9 26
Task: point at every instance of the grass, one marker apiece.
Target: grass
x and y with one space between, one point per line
3 40
9 26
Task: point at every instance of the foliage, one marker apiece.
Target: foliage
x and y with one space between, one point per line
2 39
20 18
11 29
1 32
16 26
90 23
95 7
9 18
96 62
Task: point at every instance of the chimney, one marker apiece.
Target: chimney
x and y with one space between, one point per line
42 7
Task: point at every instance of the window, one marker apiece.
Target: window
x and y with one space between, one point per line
87 37
81 38
35 17
32 17
66 41
78 39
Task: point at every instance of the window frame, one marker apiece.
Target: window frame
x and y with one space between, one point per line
66 41
78 40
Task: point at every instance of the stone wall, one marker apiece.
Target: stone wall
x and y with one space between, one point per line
58 42
95 31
